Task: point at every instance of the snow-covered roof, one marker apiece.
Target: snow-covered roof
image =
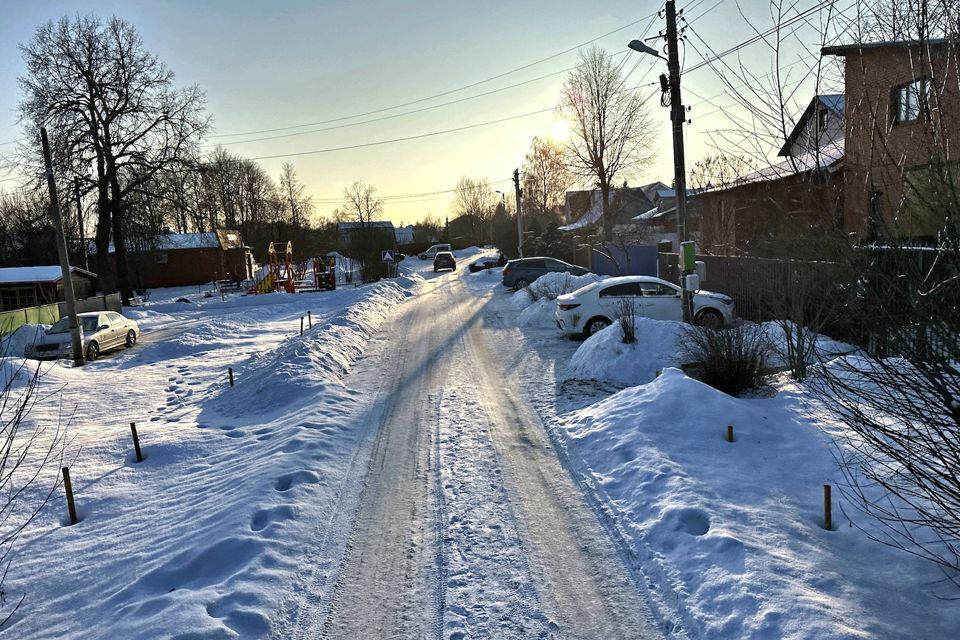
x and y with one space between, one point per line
826 158
12 275
226 239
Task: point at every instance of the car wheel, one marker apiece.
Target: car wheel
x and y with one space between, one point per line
454 268
93 351
522 284
710 318
594 325
131 338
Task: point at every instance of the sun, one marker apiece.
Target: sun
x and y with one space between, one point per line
560 130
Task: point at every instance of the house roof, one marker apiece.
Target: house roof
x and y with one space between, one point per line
844 49
223 238
834 102
45 274
629 198
828 158
378 224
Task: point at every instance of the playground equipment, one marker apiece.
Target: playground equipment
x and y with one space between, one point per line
292 277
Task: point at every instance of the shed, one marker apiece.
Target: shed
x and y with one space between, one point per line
22 287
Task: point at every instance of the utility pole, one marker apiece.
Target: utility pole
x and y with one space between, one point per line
83 240
75 340
519 191
678 116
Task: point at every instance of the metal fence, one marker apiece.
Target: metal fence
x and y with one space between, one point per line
754 282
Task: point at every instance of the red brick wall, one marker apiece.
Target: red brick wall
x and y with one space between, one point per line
878 152
183 267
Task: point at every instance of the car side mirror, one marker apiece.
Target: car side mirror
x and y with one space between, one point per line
102 327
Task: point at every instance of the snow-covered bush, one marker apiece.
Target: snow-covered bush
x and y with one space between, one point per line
731 360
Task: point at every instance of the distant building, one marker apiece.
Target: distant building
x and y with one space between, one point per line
23 287
404 235
183 259
583 210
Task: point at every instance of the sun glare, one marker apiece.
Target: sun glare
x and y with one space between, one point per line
560 130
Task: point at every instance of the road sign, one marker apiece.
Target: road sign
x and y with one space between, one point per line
386 256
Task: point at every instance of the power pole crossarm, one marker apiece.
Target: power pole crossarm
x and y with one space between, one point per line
68 294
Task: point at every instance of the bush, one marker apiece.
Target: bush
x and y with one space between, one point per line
731 360
626 313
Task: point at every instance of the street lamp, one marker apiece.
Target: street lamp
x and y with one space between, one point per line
677 117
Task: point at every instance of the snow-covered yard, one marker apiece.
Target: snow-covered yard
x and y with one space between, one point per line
728 536
204 537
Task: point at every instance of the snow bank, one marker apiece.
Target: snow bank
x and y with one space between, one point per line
303 366
541 314
22 337
603 356
824 348
731 533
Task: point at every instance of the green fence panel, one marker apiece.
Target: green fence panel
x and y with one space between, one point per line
10 321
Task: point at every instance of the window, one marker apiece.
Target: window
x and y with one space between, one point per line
625 290
114 317
822 118
163 257
911 101
18 298
532 264
655 289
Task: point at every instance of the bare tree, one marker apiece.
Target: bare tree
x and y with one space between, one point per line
475 200
545 178
611 132
361 203
295 200
111 105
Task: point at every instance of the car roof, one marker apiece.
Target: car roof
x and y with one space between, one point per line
626 279
90 314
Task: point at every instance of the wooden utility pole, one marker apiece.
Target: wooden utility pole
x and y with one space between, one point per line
68 295
677 117
519 192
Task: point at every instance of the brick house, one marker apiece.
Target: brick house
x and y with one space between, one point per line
902 134
182 259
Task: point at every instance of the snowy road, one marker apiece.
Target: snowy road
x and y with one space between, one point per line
468 525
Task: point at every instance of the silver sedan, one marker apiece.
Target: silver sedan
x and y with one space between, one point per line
100 331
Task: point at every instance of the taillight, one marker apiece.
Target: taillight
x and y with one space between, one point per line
566 306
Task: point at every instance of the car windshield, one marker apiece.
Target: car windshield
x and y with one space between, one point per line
89 323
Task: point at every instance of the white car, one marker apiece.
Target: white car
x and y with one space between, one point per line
593 307
100 331
432 252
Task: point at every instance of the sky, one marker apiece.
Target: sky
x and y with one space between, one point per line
286 63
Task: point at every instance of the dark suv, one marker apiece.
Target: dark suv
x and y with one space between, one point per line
444 260
519 273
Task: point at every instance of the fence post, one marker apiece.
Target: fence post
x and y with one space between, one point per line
301 325
68 489
230 373
309 319
729 433
827 509
136 441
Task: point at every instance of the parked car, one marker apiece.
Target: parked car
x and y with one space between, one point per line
487 262
517 274
593 307
444 260
432 252
100 331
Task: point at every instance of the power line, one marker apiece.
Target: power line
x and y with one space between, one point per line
449 91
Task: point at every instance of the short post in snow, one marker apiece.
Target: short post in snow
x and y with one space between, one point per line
729 433
230 373
68 489
827 509
309 319
136 441
301 325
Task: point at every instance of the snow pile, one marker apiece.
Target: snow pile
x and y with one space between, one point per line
824 348
300 368
734 541
22 337
541 314
551 285
604 356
